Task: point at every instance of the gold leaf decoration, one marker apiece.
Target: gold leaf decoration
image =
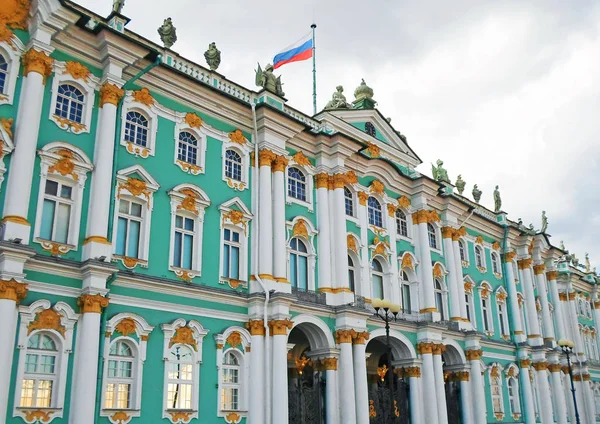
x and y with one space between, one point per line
189 202
351 242
189 167
126 327
479 240
65 123
468 286
55 249
120 417
403 202
48 319
234 339
7 125
180 416
377 187
38 416
300 229
65 165
143 96
351 178
77 70
129 262
184 275
193 120
184 335
496 246
138 150
110 93
301 159
233 418
438 272
407 262
136 187
237 137
373 150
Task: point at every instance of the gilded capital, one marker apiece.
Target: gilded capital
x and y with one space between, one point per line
266 157
554 367
13 290
586 377
473 354
509 256
279 327
552 275
344 336
359 337
256 327
92 303
540 366
524 263
448 232
414 372
461 376
279 163
525 363
322 180
539 269
329 364
424 348
572 296
36 61
562 296
391 209
339 180
438 349
362 197
596 304
419 217
110 93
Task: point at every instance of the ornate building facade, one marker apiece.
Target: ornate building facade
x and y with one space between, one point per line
178 248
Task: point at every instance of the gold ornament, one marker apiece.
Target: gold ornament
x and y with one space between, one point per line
189 202
496 246
120 417
135 187
129 262
424 348
438 272
237 137
322 180
382 371
279 163
552 275
344 336
15 14
524 263
351 242
539 269
7 125
65 123
256 327
407 262
391 209
362 197
377 187
143 96
473 354
65 166
185 166
372 412
180 417
403 202
301 363
266 157
55 249
48 319
138 150
373 150
184 335
234 339
301 159
525 363
468 286
351 178
77 70
92 303
233 418
300 229
193 120
36 61
329 364
359 337
279 327
110 93
126 327
38 416
509 256
13 290
479 240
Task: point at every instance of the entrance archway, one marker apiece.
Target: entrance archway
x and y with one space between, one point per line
454 363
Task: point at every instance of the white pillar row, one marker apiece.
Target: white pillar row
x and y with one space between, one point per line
332 406
466 397
590 404
96 243
438 371
474 357
279 251
11 293
539 272
533 329
338 210
256 404
83 394
459 274
527 409
325 231
420 220
429 392
581 398
415 395
279 367
452 278
558 393
265 218
513 299
551 277
568 394
544 394
574 325
37 66
596 305
346 377
361 388
391 229
364 251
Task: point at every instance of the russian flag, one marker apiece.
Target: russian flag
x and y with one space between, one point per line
300 50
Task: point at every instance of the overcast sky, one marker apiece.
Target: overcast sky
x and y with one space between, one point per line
505 93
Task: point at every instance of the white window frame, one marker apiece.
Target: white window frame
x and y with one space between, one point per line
60 77
142 332
243 351
500 391
407 217
445 314
383 214
483 266
50 157
355 269
515 407
147 200
244 152
309 173
7 145
487 311
64 345
12 54
241 224
465 248
151 113
188 201
470 305
308 240
405 283
353 200
299 254
438 238
501 305
198 332
495 258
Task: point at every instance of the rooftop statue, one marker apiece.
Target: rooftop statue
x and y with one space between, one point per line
574 260
460 184
439 173
118 6
476 194
267 80
497 200
338 100
402 136
545 223
213 56
588 266
168 33
562 245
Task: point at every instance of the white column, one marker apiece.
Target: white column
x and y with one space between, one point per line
473 356
346 377
559 319
338 211
513 300
279 250
279 400
466 397
394 288
265 217
361 388
590 404
581 398
533 329
541 378
453 282
540 278
574 325
37 66
332 407
325 232
420 219
11 292
415 395
459 275
558 393
85 371
527 409
438 371
429 392
568 394
256 405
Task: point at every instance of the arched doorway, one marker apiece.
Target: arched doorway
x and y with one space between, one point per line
454 372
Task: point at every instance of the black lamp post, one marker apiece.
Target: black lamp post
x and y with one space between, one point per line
567 348
387 312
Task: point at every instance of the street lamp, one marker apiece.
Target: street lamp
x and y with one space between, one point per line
387 311
567 348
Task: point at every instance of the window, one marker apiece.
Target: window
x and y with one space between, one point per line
463 251
296 184
377 279
374 210
56 211
401 224
184 242
479 257
432 236
230 386
370 129
69 103
469 306
502 318
119 378
180 376
298 264
597 399
348 201
351 274
513 396
136 129
231 254
495 263
405 292
40 372
485 311
496 390
129 228
233 165
187 148
3 74
439 298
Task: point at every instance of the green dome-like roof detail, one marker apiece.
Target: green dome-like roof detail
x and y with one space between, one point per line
363 91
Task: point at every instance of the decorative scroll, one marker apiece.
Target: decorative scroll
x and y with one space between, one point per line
193 120
377 187
143 96
404 202
65 165
77 70
48 319
189 202
373 150
135 187
351 242
234 339
237 137
126 327
407 262
301 159
184 335
55 249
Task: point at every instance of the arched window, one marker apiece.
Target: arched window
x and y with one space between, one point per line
187 147
230 383
432 236
496 390
401 224
348 201
69 103
3 73
485 312
296 184
374 209
56 211
463 251
479 256
120 376
136 129
513 396
298 264
495 263
439 298
370 129
502 319
39 379
233 165
351 273
377 279
405 292
180 377
469 307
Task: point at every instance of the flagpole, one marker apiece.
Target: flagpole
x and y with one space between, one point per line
313 26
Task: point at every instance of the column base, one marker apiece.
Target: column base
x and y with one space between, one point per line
535 340
97 247
465 325
15 229
337 297
270 284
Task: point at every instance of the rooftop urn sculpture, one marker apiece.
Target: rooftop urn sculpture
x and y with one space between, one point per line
267 80
476 194
338 100
168 33
497 200
460 185
213 56
439 173
363 91
118 6
545 223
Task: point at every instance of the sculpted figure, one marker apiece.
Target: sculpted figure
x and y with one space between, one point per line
338 100
545 222
213 56
497 200
562 245
118 5
439 173
476 193
588 266
460 184
168 33
267 80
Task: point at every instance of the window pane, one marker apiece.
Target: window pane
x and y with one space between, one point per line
62 223
235 262
112 368
123 396
65 192
121 236
377 287
293 271
47 219
31 363
188 241
189 224
134 239
302 272
177 250
44 394
27 393
47 364
51 187
136 209
226 260
109 396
